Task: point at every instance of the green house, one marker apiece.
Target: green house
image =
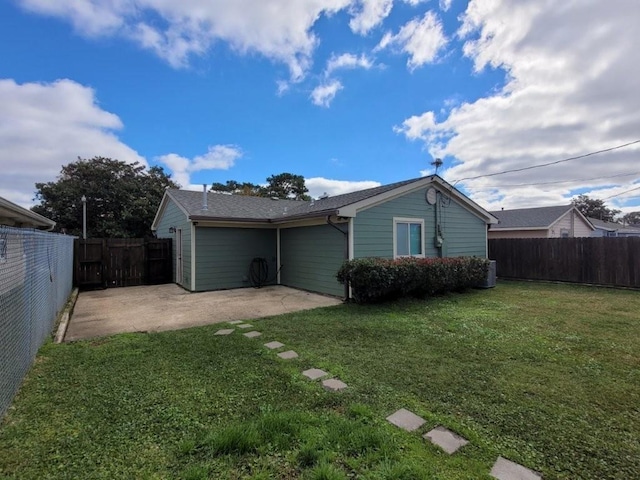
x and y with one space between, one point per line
223 241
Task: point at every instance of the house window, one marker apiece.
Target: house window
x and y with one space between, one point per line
564 233
408 237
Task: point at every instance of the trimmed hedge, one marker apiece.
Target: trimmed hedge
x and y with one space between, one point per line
379 279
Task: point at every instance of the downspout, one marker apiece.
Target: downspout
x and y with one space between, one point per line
346 250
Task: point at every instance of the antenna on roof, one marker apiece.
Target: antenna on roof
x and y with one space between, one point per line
437 163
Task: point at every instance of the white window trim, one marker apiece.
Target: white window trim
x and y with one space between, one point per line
397 220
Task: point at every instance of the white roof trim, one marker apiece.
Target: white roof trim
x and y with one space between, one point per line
516 229
21 215
352 209
570 210
163 205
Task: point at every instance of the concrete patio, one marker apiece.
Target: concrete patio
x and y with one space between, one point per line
169 307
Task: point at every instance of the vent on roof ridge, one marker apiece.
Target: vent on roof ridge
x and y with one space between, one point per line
323 196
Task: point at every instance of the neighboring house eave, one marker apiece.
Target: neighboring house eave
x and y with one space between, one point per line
22 216
516 229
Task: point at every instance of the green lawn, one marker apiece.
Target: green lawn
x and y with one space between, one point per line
545 375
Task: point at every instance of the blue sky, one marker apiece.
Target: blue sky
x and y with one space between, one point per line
347 93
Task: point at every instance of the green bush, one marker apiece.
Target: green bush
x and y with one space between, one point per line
380 279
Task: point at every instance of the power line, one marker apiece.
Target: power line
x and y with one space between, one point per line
621 193
561 181
531 167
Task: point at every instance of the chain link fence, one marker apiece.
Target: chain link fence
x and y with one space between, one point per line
36 278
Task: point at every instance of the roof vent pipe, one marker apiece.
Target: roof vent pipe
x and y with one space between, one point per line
204 197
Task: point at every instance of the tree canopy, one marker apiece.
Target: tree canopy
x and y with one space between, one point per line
592 207
283 185
122 198
631 218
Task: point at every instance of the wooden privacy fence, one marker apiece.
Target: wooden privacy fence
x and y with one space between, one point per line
599 261
121 262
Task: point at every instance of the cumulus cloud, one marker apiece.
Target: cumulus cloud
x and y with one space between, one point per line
218 157
421 38
570 89
44 126
368 14
324 94
278 29
319 185
348 61
445 5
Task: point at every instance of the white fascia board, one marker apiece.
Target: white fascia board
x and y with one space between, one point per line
163 205
193 257
517 229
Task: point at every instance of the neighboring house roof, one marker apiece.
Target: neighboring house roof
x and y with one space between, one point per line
14 215
539 218
614 227
225 207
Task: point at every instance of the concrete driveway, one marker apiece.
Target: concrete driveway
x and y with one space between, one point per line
169 307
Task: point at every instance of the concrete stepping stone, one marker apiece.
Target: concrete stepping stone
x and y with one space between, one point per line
235 322
244 325
505 469
225 331
273 345
314 373
334 385
406 420
253 334
288 355
449 441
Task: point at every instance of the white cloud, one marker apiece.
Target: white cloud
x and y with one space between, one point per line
348 61
421 38
174 30
368 14
44 126
324 94
445 5
571 89
218 157
318 186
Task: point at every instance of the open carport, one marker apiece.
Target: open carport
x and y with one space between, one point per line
169 307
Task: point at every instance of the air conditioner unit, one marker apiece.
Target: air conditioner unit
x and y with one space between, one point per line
490 281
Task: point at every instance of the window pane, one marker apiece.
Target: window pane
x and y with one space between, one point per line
416 239
402 239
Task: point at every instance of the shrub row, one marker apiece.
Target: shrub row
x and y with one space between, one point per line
379 279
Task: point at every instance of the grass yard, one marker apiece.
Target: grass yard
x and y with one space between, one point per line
545 375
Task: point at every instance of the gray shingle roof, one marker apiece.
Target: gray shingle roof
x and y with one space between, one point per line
241 207
540 217
614 227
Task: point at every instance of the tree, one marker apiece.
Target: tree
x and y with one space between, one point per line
122 198
286 185
631 218
594 208
283 185
237 188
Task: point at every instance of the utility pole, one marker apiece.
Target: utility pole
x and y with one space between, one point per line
84 217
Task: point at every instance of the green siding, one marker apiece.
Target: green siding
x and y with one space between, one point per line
464 233
174 217
311 257
224 255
